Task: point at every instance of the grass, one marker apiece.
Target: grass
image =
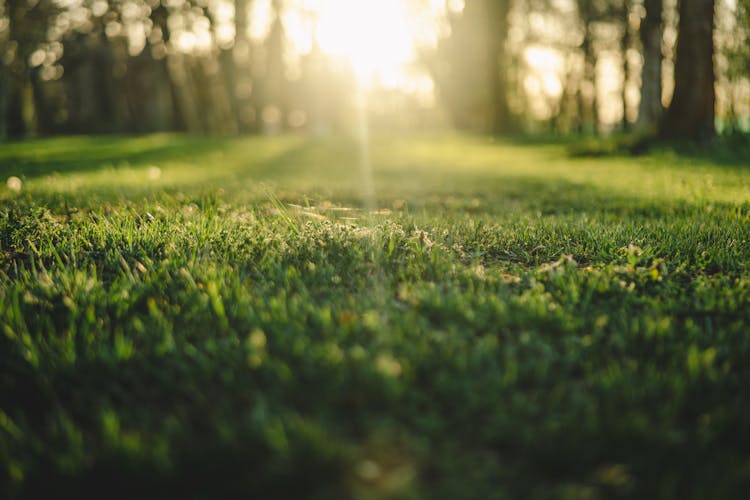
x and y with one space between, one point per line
206 318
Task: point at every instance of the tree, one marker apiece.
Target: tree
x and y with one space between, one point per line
597 17
625 42
275 96
651 33
26 26
691 113
471 66
237 69
733 67
588 105
501 119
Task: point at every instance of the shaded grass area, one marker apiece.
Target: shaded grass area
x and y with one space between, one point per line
730 149
224 317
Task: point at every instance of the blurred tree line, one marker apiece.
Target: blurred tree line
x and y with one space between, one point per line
703 46
676 68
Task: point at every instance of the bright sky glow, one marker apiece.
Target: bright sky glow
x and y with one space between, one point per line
375 37
378 39
546 66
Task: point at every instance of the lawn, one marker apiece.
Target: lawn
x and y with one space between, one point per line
188 317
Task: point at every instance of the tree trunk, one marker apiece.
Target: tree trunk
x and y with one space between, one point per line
624 47
228 69
652 33
276 87
15 115
588 86
18 115
237 68
45 119
185 92
691 113
4 101
161 56
501 121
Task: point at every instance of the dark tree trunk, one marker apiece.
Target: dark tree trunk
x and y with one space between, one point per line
652 33
587 87
109 101
82 84
15 122
691 113
624 47
160 56
17 71
4 102
148 93
45 121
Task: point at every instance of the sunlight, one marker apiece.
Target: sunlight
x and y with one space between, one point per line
377 40
545 65
374 37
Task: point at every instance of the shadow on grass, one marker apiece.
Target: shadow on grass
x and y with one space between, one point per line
731 150
532 194
727 151
36 158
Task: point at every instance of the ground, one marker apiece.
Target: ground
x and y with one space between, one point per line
214 318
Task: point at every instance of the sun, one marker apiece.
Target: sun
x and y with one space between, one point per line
374 37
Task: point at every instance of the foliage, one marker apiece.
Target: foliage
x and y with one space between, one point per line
203 318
